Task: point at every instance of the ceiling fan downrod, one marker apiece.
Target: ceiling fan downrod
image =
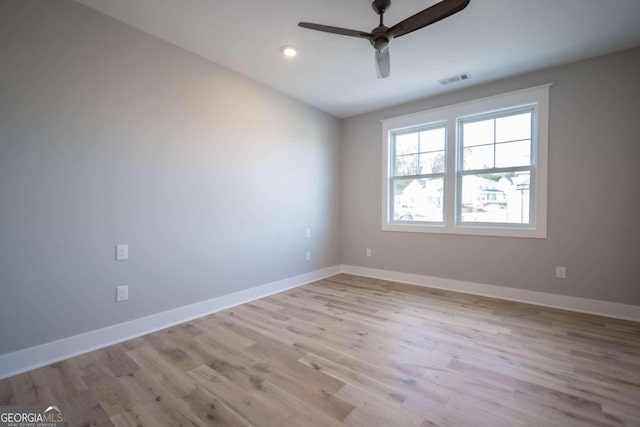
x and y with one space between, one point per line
380 36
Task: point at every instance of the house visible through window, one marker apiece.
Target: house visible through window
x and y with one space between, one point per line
495 176
418 174
473 168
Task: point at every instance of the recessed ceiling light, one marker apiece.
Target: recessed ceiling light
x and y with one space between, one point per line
289 51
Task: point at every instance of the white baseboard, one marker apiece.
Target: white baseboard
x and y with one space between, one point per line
45 354
582 305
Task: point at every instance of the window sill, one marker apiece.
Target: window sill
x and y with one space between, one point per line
467 230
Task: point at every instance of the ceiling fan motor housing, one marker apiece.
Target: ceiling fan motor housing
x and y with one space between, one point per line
380 43
380 36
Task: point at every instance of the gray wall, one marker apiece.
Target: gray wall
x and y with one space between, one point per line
109 135
593 203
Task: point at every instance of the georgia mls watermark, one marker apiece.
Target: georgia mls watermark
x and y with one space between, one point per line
31 416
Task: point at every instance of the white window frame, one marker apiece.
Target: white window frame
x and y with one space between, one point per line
535 97
393 178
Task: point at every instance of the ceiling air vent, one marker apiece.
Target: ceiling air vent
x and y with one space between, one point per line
454 79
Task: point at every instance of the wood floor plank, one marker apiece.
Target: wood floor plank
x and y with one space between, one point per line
354 351
27 393
256 410
116 360
256 367
7 397
164 371
213 410
373 410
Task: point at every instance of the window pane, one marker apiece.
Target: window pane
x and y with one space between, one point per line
418 200
406 165
432 140
406 143
478 133
496 198
432 163
513 154
513 128
478 157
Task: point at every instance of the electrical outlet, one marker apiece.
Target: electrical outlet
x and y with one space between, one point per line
368 251
122 252
308 255
561 272
308 233
122 293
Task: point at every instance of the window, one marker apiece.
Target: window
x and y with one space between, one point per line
417 178
495 175
474 168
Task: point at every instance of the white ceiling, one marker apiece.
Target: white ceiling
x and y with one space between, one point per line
490 39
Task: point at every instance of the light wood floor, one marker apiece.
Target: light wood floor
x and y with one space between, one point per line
358 352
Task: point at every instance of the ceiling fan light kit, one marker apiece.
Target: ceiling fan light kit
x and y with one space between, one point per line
381 36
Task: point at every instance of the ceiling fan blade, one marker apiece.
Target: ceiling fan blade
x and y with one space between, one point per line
336 30
383 63
427 17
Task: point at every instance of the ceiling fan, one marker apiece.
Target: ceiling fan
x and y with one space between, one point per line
380 36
